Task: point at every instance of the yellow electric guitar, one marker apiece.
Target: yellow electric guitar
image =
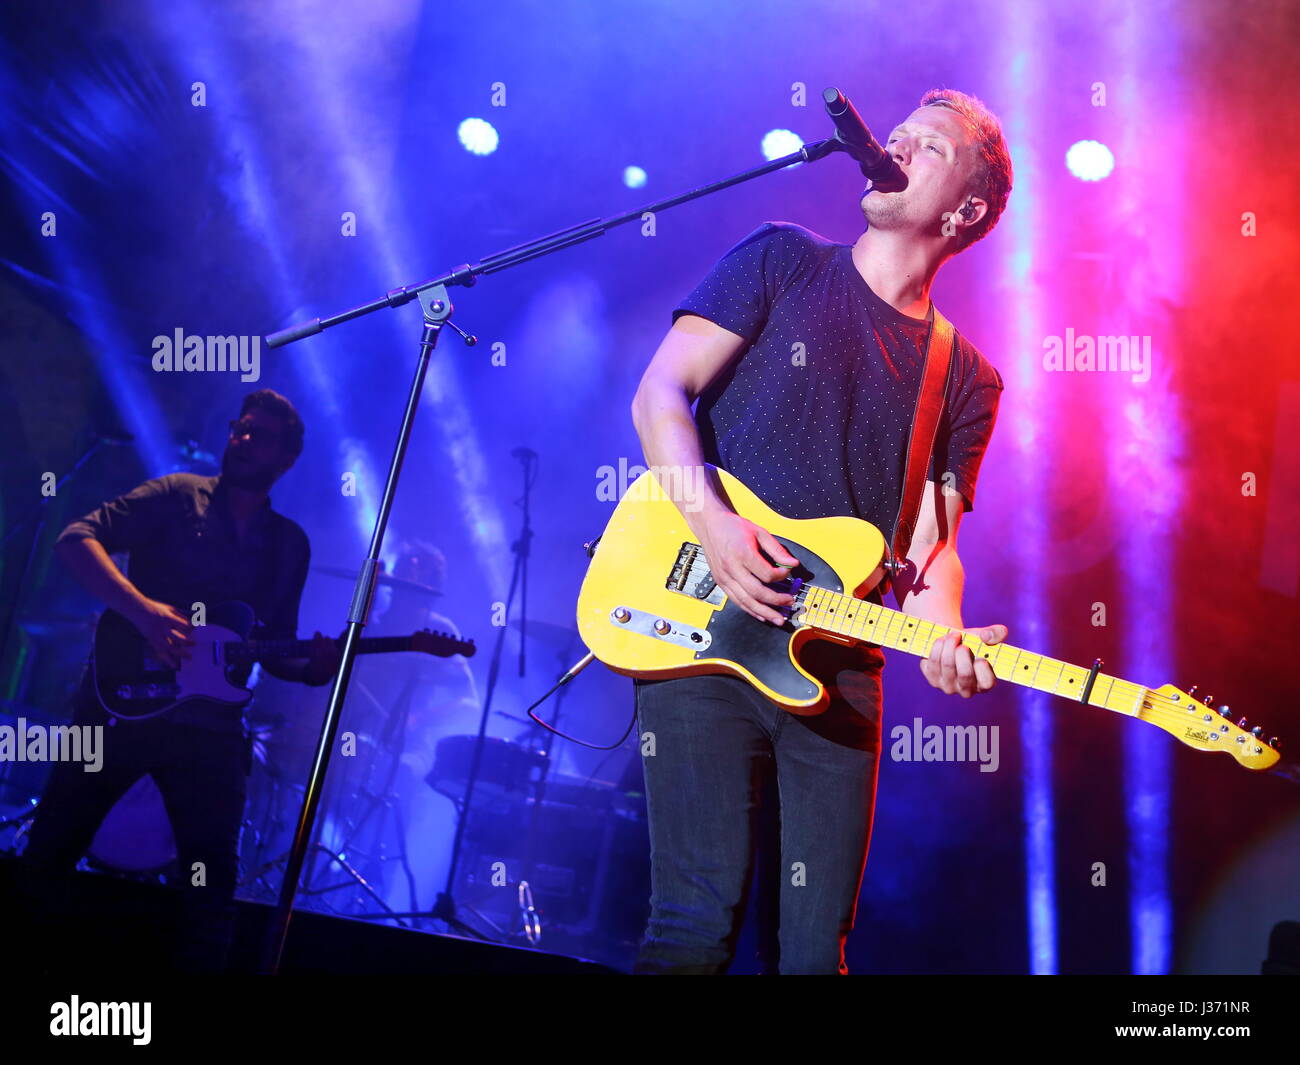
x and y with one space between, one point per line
650 608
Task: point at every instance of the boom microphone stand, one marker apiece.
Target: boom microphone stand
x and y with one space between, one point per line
437 308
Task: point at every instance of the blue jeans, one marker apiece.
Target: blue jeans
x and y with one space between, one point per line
708 743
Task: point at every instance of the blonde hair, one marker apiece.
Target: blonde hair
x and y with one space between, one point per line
991 179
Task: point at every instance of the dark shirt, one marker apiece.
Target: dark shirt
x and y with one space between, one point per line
814 414
182 549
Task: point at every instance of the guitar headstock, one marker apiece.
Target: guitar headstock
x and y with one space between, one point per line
1196 723
441 644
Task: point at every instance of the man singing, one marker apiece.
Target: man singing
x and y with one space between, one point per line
806 358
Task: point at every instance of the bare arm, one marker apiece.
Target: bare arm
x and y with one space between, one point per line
166 630
931 584
931 588
94 570
693 353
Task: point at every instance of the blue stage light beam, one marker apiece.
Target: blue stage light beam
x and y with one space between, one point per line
30 163
202 42
340 114
1020 83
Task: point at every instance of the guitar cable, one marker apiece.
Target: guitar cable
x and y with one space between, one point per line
586 660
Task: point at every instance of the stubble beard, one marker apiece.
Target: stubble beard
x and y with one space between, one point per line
884 211
250 480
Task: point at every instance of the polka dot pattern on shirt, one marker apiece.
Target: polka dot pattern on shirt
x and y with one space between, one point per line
814 414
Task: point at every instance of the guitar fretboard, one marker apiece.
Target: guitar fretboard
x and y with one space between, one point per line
258 650
858 619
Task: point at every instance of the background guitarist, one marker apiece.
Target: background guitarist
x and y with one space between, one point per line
189 539
805 356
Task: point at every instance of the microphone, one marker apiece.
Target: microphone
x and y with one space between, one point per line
876 163
523 453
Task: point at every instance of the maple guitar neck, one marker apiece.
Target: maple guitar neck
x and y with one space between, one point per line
650 607
1190 720
857 619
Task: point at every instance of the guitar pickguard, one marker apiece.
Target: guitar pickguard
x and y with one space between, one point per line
763 648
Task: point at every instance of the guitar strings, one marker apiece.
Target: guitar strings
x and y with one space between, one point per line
1162 708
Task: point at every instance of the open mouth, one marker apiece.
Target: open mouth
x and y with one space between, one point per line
884 190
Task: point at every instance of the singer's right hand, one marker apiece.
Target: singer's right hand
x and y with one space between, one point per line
731 546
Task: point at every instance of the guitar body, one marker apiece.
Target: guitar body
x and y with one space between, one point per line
648 606
132 683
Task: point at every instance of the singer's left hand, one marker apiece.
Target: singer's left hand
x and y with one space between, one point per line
954 670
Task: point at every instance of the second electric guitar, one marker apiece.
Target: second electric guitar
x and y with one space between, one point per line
131 683
650 608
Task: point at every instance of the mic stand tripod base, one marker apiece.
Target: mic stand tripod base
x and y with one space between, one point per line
444 909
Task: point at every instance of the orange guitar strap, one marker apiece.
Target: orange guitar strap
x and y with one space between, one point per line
920 444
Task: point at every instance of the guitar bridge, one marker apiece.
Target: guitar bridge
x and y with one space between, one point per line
690 576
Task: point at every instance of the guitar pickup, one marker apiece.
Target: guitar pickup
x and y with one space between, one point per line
690 576
681 573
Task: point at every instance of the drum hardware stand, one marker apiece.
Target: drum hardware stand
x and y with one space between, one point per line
391 742
444 907
318 848
532 924
336 857
437 308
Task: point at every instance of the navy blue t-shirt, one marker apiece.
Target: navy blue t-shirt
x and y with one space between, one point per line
813 415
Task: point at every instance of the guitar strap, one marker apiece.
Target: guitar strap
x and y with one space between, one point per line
920 443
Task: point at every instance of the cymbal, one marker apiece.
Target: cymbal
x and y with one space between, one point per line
393 582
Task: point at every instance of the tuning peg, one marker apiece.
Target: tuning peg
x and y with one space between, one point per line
1191 692
1208 700
1241 723
1275 743
1225 710
1257 731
